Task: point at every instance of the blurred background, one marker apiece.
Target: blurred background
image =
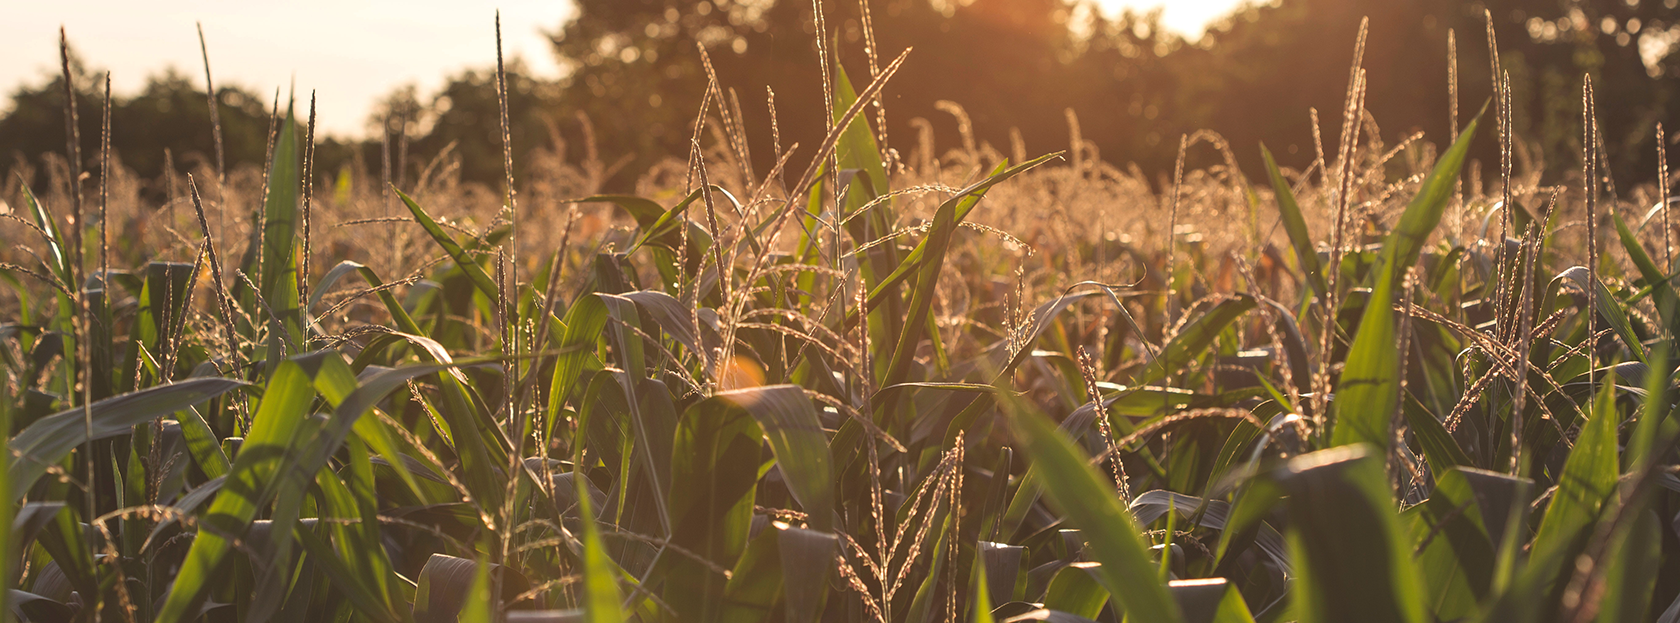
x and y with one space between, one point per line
403 82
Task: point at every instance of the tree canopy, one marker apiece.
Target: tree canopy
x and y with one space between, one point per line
633 69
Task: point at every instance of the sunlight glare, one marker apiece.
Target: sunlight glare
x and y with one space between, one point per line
1185 17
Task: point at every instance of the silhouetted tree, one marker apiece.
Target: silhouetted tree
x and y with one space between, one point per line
1295 56
632 67
170 113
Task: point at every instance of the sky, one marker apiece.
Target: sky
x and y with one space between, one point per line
350 52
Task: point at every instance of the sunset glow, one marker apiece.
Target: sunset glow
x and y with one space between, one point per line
348 63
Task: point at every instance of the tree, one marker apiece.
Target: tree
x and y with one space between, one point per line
634 69
1296 55
170 114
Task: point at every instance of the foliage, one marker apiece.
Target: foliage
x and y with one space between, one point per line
823 399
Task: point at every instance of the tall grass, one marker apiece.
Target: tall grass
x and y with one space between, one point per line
955 385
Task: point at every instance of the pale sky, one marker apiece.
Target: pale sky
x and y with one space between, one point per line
351 52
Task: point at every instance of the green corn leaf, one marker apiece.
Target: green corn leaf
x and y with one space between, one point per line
1005 362
1609 307
659 226
755 581
359 549
279 416
1369 387
857 148
1210 600
981 602
202 443
1295 225
1003 566
804 584
997 491
362 537
1094 508
278 461
960 204
714 472
48 440
321 556
66 539
279 274
938 240
672 316
1214 514
62 265
1353 561
922 605
1588 480
1439 448
1455 552
35 607
1193 341
467 263
449 589
789 421
1075 590
582 330
480 607
1668 304
600 575
1630 581
1587 483
479 452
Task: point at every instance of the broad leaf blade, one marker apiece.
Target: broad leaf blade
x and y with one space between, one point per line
46 441
1369 387
1354 562
789 421
1193 341
714 472
1094 508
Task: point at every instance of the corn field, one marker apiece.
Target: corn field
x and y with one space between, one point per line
1395 385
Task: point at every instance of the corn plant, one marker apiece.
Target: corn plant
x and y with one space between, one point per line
758 401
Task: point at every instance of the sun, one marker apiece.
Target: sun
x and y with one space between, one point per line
1186 17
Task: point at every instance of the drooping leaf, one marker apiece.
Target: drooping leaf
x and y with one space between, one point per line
755 582
789 421
464 260
1609 308
1354 563
1210 600
804 579
49 439
1193 341
1075 590
448 587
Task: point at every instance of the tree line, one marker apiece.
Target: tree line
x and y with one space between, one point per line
635 71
